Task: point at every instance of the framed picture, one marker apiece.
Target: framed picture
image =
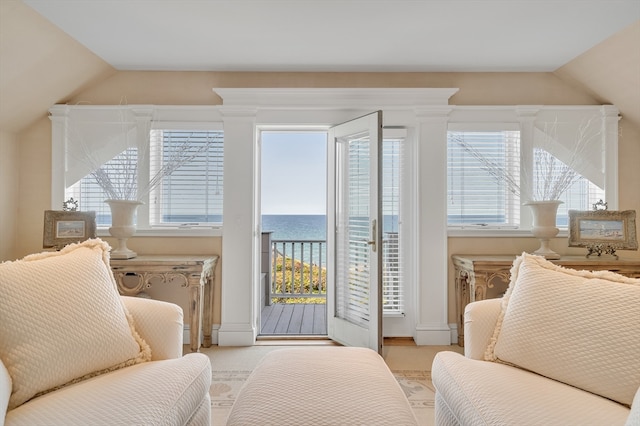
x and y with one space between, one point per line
66 227
603 228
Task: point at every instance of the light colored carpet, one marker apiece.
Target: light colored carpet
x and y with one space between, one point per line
410 365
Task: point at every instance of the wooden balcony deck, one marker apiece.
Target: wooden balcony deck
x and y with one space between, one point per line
297 319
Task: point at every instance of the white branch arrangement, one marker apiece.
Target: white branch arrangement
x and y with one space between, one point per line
552 177
121 183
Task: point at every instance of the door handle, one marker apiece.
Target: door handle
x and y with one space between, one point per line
374 235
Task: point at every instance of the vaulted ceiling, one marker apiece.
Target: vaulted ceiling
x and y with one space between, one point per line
51 49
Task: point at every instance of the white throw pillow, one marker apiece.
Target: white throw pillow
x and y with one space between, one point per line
63 320
578 327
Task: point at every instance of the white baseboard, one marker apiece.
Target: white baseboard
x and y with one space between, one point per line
454 333
236 335
427 335
186 334
436 334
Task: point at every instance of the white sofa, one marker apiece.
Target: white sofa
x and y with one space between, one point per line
560 348
74 352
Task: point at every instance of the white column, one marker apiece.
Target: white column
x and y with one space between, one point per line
239 242
142 117
59 121
610 120
432 323
526 117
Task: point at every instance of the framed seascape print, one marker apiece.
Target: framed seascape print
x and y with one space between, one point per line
66 227
603 231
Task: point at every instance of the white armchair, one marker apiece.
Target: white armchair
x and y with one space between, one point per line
74 352
561 347
171 389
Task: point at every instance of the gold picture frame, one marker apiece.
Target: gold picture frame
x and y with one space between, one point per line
66 227
603 231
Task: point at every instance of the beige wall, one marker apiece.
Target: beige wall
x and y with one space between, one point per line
610 71
183 88
41 65
9 193
196 88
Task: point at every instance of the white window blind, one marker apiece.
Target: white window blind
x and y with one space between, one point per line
484 179
392 258
353 265
192 194
479 166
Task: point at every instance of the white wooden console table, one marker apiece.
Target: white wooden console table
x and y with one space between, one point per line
196 273
487 277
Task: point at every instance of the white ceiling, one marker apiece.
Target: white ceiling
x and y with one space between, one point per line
339 35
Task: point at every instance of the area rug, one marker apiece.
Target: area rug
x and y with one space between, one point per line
419 390
416 385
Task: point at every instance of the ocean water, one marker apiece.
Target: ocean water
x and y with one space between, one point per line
306 228
295 227
309 227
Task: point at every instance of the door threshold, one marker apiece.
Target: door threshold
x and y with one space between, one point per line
295 340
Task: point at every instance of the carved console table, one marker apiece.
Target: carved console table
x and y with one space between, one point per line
195 273
486 277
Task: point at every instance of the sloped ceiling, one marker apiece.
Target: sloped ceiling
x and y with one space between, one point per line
41 65
610 72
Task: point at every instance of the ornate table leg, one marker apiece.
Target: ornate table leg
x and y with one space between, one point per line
208 279
206 314
462 299
195 306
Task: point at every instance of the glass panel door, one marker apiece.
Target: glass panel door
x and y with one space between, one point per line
354 289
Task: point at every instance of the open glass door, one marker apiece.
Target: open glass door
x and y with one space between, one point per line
354 233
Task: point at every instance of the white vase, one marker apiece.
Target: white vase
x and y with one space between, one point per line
123 226
544 225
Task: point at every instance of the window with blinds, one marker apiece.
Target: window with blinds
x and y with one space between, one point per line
192 194
483 174
392 259
188 197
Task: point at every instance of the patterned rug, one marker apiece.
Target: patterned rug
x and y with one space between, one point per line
416 384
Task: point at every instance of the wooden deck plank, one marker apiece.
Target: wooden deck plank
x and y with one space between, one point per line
320 320
295 323
285 319
307 319
294 319
270 316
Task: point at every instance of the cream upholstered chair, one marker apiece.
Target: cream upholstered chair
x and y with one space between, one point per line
560 348
74 352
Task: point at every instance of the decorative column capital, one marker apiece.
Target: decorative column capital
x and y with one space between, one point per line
434 113
527 112
238 112
59 112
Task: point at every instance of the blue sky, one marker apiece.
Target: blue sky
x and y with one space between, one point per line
294 173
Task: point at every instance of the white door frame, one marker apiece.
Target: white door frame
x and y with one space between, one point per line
424 109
